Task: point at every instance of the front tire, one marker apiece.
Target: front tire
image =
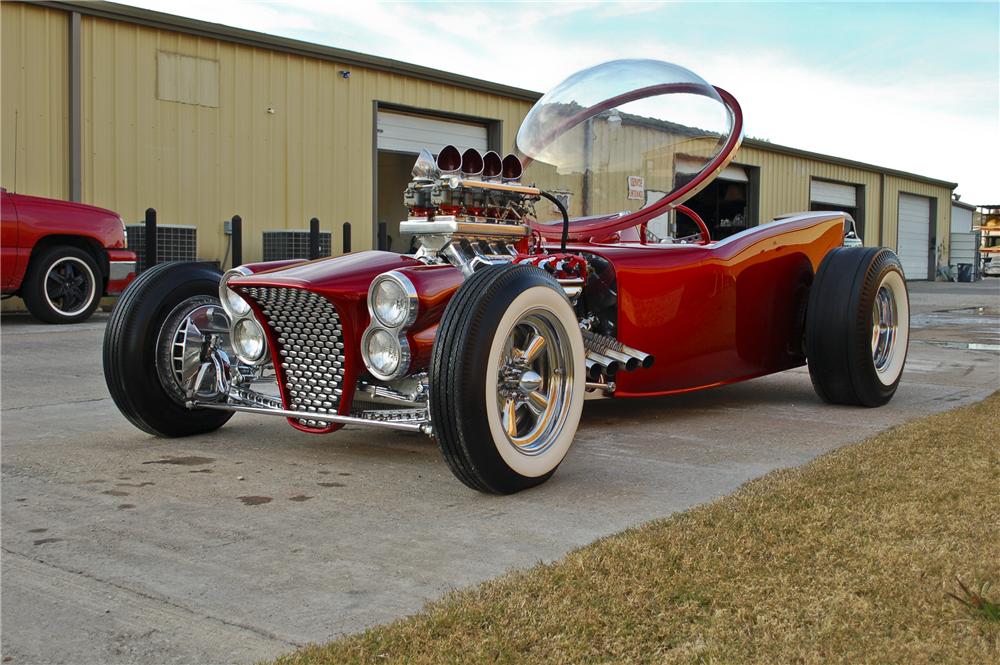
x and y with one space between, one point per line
507 381
63 285
858 326
144 385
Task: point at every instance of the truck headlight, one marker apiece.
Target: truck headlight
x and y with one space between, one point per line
248 340
383 353
393 300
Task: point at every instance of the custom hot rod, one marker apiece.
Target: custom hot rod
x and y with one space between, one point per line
521 301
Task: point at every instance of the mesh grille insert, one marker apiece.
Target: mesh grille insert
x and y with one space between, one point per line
310 345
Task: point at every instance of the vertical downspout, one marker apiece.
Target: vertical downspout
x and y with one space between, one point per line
587 174
881 208
75 110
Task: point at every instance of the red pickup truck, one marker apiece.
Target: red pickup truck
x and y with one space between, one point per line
61 257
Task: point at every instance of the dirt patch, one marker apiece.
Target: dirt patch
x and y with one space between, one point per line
331 484
190 460
115 493
299 497
254 500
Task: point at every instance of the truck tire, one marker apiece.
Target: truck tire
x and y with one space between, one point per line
141 329
507 379
857 326
63 285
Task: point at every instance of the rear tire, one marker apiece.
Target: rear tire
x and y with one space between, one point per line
63 285
132 357
857 326
507 379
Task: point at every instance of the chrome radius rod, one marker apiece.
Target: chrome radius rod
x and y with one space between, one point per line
418 426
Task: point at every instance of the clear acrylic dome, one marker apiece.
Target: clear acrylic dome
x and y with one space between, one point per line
622 135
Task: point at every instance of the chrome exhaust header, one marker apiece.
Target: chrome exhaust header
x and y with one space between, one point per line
631 358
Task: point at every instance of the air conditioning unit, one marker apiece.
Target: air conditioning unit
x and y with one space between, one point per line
292 244
174 242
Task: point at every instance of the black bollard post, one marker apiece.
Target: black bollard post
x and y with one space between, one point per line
150 249
313 239
237 239
347 238
383 236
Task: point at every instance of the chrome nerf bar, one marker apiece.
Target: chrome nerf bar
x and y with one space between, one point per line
423 427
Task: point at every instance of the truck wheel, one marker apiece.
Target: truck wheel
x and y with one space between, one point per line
857 326
506 379
63 285
152 347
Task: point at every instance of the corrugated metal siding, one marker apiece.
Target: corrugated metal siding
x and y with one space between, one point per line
963 248
785 185
197 165
34 69
940 210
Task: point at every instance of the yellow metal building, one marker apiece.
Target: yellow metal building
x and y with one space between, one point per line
130 109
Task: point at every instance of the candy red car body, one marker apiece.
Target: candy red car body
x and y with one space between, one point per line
493 333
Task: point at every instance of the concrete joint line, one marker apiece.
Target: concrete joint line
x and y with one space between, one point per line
231 624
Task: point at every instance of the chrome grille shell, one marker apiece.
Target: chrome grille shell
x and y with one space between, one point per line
309 353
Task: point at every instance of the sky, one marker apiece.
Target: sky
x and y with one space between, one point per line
910 86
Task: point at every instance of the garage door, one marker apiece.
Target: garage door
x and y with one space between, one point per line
402 132
833 193
914 242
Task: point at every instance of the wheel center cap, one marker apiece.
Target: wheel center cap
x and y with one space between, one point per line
529 382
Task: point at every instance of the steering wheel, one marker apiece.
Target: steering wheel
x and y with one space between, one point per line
706 237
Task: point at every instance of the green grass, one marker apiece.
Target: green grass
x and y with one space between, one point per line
852 558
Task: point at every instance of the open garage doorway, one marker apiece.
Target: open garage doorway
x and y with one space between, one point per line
728 204
400 135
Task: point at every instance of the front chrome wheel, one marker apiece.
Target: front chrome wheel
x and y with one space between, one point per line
507 379
535 382
195 327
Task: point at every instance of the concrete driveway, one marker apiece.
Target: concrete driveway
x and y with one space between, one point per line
121 548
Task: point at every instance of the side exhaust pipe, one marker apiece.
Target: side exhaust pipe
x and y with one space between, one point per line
601 364
630 358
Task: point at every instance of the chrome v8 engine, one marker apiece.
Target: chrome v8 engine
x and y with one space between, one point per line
468 209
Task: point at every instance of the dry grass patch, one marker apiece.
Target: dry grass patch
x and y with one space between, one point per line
848 559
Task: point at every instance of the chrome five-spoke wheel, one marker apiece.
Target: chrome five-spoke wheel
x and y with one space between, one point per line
507 379
534 382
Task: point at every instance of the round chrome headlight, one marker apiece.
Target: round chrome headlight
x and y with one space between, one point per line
232 302
248 340
390 303
382 352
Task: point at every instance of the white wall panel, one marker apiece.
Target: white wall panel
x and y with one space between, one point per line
833 193
914 235
403 132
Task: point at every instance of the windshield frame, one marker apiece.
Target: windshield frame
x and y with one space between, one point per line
605 225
